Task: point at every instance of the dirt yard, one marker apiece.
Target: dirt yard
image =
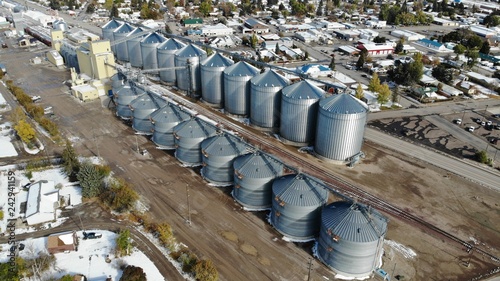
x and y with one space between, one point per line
243 245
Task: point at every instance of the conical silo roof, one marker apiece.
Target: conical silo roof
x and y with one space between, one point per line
299 190
353 222
169 113
112 24
270 79
171 44
343 104
153 38
217 60
135 31
258 165
224 145
303 90
194 128
124 28
241 69
190 51
146 101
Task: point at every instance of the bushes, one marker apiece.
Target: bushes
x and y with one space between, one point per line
25 132
205 270
123 244
186 257
133 273
482 157
119 196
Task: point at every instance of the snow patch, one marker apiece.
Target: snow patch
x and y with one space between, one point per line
405 251
7 149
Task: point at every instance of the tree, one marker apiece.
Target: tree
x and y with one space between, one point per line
485 49
90 8
442 73
459 49
395 95
71 165
374 85
384 94
114 12
17 115
90 180
254 41
205 270
474 42
332 63
362 58
472 56
379 39
491 20
25 132
66 277
482 157
416 69
123 243
306 55
133 273
360 93
168 29
399 47
120 196
205 7
277 48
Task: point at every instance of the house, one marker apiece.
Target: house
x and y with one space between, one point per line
43 200
432 45
314 70
254 26
61 242
192 23
377 49
467 87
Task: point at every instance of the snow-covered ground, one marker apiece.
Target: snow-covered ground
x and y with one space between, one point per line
69 191
90 259
6 147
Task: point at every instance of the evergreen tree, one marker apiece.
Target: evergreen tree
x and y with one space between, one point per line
114 12
90 180
360 92
374 85
71 165
332 63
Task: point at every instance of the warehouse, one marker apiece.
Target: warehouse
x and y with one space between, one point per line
216 30
377 49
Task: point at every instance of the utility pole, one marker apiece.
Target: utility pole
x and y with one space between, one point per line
188 204
136 144
309 268
96 144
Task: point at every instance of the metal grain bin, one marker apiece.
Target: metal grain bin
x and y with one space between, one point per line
340 128
107 31
134 47
164 120
253 180
296 207
218 154
212 79
117 81
148 50
165 54
299 111
188 137
142 107
265 99
237 88
121 49
351 238
123 97
60 25
189 78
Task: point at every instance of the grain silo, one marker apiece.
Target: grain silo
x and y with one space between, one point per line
189 78
351 238
60 24
107 31
123 97
237 88
299 111
296 207
340 127
165 54
117 81
265 99
164 120
218 154
134 47
212 79
253 179
188 138
148 50
142 107
120 33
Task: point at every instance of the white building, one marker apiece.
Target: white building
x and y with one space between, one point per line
306 37
39 17
432 45
407 35
43 200
216 30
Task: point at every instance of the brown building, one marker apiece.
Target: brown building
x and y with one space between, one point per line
61 242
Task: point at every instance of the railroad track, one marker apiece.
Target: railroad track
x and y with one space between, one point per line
334 183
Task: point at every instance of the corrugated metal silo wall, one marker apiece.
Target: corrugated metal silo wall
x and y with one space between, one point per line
253 192
116 83
134 52
351 259
141 122
73 62
299 222
188 150
163 134
121 49
339 136
212 79
298 119
265 105
107 34
149 58
182 75
166 59
219 169
237 94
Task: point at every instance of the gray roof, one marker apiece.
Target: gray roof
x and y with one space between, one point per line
303 90
217 60
153 38
135 31
146 101
343 104
169 113
241 69
258 165
190 51
125 91
124 28
171 44
270 79
299 190
194 128
353 222
112 24
224 145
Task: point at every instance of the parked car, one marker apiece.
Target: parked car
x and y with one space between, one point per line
458 121
91 235
489 123
471 129
483 123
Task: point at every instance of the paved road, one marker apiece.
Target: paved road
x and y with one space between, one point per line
485 176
